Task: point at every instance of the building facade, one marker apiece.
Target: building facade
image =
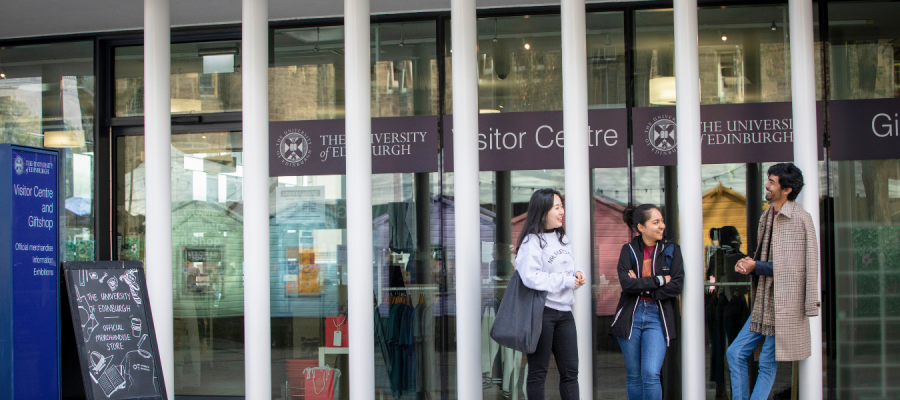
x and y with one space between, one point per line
85 91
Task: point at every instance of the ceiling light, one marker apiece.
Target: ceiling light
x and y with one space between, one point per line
2 74
773 27
662 90
608 42
64 139
527 46
218 51
219 59
724 36
495 31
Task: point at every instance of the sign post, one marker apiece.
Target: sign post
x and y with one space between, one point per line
29 273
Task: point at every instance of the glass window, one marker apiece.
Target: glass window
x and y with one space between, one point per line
207 253
744 56
309 257
863 51
864 65
606 89
47 100
206 78
520 70
867 278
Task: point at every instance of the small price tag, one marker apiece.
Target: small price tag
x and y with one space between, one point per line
337 338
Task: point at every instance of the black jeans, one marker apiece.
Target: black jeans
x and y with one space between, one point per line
559 336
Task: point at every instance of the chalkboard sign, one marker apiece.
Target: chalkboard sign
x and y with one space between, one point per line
114 330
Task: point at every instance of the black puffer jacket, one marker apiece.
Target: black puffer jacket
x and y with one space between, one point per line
665 295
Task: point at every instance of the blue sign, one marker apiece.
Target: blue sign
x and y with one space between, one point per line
29 273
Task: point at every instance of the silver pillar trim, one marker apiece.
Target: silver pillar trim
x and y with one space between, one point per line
578 181
690 198
158 180
806 157
358 94
255 92
466 199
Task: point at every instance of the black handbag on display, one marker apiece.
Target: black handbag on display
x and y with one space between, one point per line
519 318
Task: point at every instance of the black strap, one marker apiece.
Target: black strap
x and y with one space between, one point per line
769 232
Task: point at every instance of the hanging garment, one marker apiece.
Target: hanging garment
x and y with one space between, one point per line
736 314
717 337
402 233
489 347
424 335
511 361
397 360
408 348
381 344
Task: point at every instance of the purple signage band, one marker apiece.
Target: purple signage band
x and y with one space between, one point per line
730 133
535 140
864 129
318 147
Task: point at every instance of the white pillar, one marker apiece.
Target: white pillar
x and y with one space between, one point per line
690 198
578 182
158 179
255 100
467 207
358 94
806 157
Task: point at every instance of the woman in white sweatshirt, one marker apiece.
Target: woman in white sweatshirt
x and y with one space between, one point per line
544 261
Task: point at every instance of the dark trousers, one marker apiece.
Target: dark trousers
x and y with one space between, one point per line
559 337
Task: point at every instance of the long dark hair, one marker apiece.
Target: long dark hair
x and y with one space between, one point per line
634 216
540 204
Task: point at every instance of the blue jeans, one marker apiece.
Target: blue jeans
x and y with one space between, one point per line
558 336
644 353
738 353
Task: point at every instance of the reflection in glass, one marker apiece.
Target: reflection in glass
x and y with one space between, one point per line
742 59
863 65
206 78
867 278
609 234
863 52
520 63
207 253
309 231
47 100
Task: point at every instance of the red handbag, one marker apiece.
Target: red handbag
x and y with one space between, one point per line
320 383
336 332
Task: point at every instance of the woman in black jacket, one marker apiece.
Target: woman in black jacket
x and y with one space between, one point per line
651 274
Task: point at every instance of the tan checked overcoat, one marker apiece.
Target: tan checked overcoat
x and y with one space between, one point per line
795 262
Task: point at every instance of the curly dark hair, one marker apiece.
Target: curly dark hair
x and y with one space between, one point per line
789 176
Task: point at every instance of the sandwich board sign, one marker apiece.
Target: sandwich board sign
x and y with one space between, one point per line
113 325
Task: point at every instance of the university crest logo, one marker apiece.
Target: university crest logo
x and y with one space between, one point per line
19 165
661 134
293 147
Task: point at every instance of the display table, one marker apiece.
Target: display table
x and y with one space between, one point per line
331 350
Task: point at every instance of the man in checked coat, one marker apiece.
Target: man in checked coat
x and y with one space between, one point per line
784 291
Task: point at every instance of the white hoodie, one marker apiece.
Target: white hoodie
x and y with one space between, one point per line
551 269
